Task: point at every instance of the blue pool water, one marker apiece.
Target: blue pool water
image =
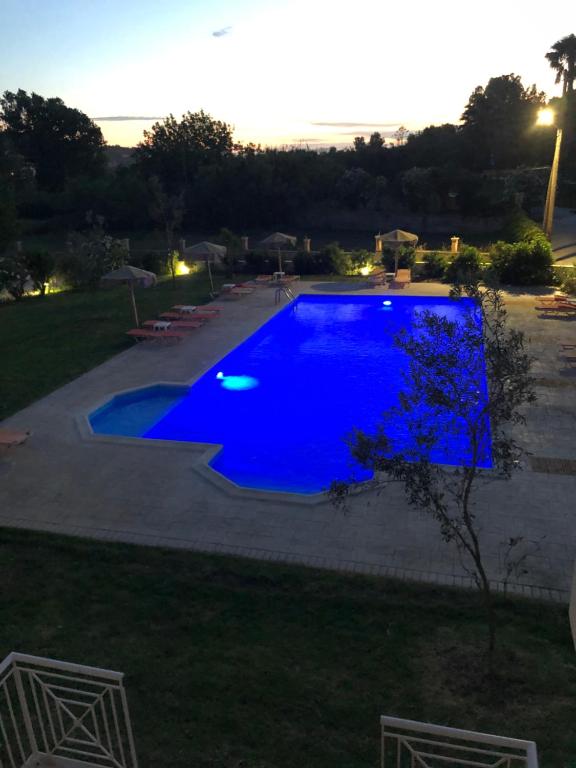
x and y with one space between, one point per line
283 401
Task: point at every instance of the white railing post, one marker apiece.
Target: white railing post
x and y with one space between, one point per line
427 745
24 709
64 711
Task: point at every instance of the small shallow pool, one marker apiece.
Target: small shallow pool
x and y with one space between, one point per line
283 401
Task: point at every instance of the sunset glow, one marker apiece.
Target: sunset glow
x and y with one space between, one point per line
283 73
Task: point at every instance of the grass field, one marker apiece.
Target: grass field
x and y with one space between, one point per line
46 342
234 663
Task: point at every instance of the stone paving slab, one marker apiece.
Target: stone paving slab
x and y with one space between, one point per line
157 495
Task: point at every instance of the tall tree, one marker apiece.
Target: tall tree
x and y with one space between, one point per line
59 141
175 151
498 122
166 210
562 59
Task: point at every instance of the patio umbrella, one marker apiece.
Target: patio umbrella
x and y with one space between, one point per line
395 240
277 240
207 252
130 276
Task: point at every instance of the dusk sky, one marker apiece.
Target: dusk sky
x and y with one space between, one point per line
285 72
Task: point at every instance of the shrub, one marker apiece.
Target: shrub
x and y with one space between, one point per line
528 262
258 262
13 276
91 255
435 265
569 285
518 226
339 261
466 267
312 263
360 259
153 261
331 260
40 266
406 257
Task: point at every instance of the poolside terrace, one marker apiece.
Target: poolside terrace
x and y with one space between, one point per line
66 480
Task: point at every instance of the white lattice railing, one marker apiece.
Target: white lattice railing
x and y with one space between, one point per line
73 714
409 744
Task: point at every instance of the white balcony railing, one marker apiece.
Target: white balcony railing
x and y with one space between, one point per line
60 714
408 744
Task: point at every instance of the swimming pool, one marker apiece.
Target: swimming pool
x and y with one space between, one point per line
282 402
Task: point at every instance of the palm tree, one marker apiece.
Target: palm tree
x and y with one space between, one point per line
562 58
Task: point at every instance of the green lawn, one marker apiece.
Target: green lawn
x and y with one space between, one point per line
234 663
46 342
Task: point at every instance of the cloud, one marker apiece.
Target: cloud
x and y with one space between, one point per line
123 118
357 125
221 32
310 140
365 133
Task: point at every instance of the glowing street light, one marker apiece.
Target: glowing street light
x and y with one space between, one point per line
547 117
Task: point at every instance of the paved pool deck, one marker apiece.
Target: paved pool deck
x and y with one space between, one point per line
66 481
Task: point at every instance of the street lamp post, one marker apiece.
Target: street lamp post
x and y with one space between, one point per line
546 117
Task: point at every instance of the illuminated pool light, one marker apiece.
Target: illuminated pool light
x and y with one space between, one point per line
387 303
237 383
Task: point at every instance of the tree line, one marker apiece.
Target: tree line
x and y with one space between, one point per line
191 173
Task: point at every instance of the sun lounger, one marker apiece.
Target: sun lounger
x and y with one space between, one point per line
568 346
193 309
401 279
557 306
234 291
377 279
170 325
553 299
288 279
185 325
9 438
198 317
145 334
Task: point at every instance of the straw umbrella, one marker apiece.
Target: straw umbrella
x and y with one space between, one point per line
395 240
130 276
277 240
207 252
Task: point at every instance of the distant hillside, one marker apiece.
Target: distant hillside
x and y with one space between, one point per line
117 155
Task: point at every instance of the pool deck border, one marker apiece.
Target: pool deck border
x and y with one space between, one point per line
69 481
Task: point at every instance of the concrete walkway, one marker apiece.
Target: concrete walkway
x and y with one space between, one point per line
154 494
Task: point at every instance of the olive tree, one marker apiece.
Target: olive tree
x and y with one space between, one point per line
467 382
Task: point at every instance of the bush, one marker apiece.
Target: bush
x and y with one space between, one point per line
331 260
435 265
91 256
528 262
466 267
518 226
339 260
360 259
312 263
13 276
258 262
153 261
41 266
569 285
406 257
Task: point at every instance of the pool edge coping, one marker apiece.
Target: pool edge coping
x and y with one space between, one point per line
205 452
